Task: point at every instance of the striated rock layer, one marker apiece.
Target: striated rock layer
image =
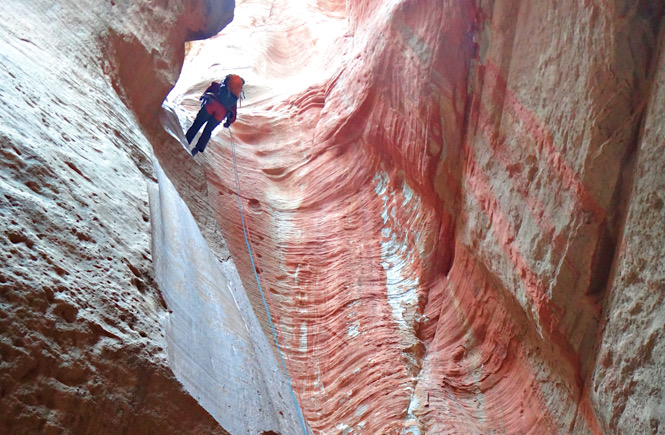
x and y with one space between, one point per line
454 205
456 209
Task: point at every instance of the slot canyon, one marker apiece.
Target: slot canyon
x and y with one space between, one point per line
430 217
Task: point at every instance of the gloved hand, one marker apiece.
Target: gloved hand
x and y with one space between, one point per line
229 117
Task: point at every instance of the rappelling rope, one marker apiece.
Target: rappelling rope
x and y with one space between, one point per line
258 282
280 336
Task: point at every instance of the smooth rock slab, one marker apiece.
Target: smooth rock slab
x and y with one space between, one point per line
215 344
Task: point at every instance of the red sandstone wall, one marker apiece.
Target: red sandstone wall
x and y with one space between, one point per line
435 193
456 209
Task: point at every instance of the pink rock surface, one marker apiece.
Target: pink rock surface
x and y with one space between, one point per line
434 193
456 209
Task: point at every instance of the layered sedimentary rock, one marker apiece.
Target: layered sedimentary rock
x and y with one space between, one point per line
456 211
454 208
82 348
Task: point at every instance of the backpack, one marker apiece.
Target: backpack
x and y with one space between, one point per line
225 94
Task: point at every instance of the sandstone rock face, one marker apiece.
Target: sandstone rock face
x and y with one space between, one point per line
215 344
627 382
455 208
82 348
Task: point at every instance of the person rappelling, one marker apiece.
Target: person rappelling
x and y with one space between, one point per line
218 102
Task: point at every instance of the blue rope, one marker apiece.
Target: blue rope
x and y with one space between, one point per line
258 282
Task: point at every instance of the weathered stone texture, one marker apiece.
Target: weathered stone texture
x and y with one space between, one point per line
627 381
438 207
216 346
81 345
456 209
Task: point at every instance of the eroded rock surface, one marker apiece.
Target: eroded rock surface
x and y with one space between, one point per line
81 343
626 383
456 209
439 196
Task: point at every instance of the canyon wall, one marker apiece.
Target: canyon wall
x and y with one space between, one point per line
215 344
454 208
82 348
627 379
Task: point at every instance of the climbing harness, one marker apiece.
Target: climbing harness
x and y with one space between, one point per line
265 305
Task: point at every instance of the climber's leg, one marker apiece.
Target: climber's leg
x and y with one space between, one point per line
201 118
205 136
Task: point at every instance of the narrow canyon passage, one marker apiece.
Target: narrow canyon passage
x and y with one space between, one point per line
424 277
455 209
